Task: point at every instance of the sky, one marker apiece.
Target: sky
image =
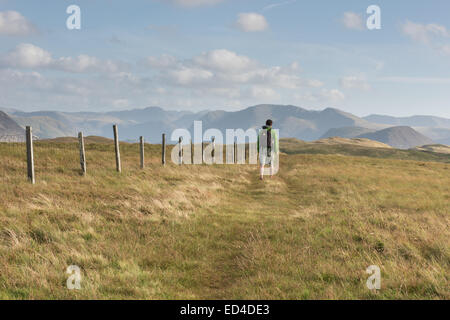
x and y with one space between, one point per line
226 54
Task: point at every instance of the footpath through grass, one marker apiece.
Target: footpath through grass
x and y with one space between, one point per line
217 232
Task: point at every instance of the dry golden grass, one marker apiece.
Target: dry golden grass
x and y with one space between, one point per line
204 232
439 148
356 142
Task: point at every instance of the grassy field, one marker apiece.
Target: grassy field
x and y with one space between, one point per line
217 232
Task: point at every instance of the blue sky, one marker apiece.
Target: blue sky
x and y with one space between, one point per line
229 54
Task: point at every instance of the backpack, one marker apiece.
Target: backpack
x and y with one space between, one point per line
267 134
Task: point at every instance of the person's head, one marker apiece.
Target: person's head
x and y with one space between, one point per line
269 123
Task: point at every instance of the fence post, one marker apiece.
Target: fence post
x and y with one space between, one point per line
142 144
82 153
245 152
30 155
192 152
116 147
164 149
180 152
203 152
213 152
235 152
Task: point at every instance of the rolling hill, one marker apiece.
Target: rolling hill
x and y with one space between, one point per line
398 137
346 132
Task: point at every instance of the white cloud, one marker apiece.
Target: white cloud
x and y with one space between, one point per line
190 76
424 32
263 93
354 82
12 23
353 21
84 63
333 95
196 3
223 60
226 69
251 22
27 55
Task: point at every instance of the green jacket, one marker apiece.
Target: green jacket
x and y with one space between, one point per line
274 138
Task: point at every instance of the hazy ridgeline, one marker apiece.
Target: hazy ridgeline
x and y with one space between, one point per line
217 232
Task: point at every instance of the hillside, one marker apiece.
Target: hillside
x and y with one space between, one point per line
413 121
355 142
294 146
439 148
9 129
293 122
398 137
346 132
217 232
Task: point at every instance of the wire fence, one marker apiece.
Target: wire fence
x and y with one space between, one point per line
63 155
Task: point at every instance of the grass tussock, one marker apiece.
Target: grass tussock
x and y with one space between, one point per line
200 232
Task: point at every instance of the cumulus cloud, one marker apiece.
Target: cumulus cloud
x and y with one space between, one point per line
353 21
424 33
223 60
354 82
226 69
214 78
251 22
12 23
27 55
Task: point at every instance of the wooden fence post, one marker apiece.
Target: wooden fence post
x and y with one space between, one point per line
30 155
180 152
213 152
82 153
235 152
142 144
116 147
203 152
164 149
192 152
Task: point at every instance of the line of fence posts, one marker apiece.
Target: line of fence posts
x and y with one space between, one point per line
30 152
82 154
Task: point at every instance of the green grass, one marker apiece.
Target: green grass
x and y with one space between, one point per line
217 232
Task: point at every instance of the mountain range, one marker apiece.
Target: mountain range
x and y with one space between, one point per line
10 131
292 121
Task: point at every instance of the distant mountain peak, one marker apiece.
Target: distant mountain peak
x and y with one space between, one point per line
401 137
